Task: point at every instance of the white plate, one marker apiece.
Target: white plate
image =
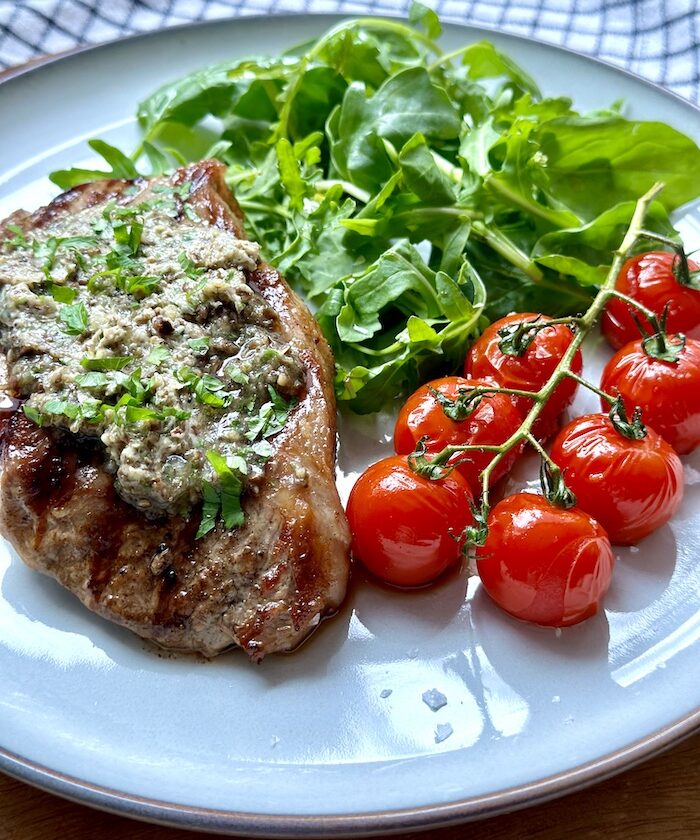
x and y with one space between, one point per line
305 743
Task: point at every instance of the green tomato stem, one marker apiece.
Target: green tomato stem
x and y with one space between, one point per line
591 387
635 304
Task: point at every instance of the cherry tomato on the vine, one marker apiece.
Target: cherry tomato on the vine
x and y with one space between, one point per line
667 392
649 279
543 563
530 370
406 528
632 487
492 421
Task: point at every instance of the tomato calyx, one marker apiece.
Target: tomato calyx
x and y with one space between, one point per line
681 270
463 405
632 429
477 533
554 487
516 338
657 343
436 467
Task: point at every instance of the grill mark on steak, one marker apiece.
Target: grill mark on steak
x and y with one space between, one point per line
264 586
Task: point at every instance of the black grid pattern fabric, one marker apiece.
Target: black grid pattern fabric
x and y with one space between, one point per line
658 39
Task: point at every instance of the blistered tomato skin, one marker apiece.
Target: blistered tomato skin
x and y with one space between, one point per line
667 392
405 528
543 564
530 371
649 279
632 487
492 422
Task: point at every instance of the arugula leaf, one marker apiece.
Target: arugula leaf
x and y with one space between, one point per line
405 104
484 61
422 175
120 165
593 164
426 18
290 174
584 252
409 194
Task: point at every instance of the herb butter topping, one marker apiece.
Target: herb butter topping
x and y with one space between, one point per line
134 323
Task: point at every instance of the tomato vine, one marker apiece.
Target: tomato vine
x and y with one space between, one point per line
440 464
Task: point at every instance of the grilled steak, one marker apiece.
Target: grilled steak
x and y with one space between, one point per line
173 464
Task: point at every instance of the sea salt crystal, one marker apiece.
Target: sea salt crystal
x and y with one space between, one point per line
442 732
434 699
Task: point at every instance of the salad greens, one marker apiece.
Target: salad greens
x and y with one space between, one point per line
409 194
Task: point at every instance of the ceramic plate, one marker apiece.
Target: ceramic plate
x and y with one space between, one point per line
313 742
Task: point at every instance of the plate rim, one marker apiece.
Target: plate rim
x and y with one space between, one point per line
221 821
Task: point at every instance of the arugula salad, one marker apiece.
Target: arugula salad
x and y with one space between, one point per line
412 196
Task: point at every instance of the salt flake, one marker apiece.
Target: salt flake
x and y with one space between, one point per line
434 699
442 732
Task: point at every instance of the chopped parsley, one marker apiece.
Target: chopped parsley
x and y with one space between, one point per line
157 355
190 268
33 414
199 345
207 389
61 294
271 417
106 363
74 318
223 499
17 240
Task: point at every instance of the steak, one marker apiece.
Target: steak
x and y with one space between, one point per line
90 499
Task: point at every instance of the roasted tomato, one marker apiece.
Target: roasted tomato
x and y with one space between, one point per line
492 420
668 392
530 370
406 528
649 279
631 486
544 564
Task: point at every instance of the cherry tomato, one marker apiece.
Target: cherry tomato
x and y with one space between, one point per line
531 370
667 392
492 422
544 564
405 527
649 279
632 487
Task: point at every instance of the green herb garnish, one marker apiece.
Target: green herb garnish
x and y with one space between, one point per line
74 318
106 363
157 355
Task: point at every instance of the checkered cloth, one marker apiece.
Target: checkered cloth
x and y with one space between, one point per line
658 39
